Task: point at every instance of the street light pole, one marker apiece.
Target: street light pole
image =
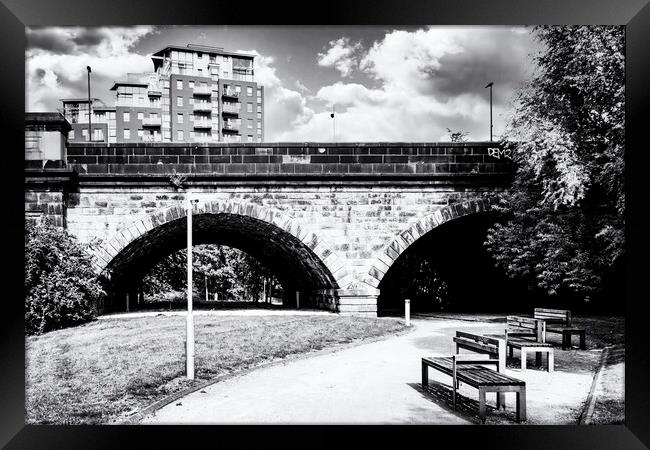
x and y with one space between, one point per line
90 112
189 322
333 125
490 86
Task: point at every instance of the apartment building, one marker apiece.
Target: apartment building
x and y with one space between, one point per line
102 119
195 94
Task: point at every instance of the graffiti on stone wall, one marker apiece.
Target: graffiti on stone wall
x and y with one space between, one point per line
498 153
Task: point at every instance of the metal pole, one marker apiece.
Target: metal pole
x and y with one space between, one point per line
490 113
297 300
90 113
489 85
189 350
333 125
407 312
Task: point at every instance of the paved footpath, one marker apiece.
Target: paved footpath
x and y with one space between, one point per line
369 384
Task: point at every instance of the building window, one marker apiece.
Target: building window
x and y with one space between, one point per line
192 135
249 107
140 116
249 123
259 139
71 134
250 138
191 100
179 84
238 89
259 131
98 135
191 117
112 132
259 100
127 134
249 91
225 74
127 116
259 92
192 84
179 118
153 115
259 115
179 101
179 135
140 133
167 134
259 125
84 133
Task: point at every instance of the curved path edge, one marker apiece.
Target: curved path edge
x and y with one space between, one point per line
147 411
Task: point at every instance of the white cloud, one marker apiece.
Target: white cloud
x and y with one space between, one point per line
56 60
427 80
284 108
341 54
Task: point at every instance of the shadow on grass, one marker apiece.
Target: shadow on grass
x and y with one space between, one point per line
466 408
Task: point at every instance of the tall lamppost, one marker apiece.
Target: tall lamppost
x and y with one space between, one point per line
90 112
333 125
189 321
490 86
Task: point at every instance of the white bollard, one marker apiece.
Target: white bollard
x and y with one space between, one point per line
407 312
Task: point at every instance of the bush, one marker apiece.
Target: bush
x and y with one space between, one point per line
61 288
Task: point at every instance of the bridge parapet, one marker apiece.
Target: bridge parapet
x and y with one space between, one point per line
397 160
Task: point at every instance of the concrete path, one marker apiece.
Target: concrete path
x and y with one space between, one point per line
367 384
377 383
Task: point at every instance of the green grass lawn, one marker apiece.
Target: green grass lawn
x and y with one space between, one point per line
103 371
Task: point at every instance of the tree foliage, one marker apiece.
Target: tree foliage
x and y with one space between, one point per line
563 227
61 288
228 272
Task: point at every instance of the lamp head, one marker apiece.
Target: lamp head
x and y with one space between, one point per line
489 84
88 69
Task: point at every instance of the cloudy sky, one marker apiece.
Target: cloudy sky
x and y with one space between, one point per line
385 83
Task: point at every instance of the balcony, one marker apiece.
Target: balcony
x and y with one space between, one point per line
231 109
203 107
202 90
202 124
230 93
231 127
154 93
152 122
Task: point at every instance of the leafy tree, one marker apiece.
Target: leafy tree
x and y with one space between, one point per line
563 226
226 271
61 288
458 136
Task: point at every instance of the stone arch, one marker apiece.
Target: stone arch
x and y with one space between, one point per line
273 221
388 254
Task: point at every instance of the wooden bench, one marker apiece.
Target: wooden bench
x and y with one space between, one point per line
528 335
494 347
559 321
469 369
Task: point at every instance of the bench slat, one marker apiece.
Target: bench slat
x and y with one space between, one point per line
476 376
476 346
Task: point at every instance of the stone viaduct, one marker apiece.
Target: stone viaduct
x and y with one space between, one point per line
328 219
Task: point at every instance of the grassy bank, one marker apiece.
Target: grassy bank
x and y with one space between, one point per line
103 371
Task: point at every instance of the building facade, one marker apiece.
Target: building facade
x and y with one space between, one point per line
195 94
102 120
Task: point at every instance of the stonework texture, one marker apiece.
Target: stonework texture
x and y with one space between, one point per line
332 231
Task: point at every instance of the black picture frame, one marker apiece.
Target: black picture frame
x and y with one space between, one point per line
16 14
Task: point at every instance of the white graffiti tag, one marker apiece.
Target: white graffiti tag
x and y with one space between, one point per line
498 153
